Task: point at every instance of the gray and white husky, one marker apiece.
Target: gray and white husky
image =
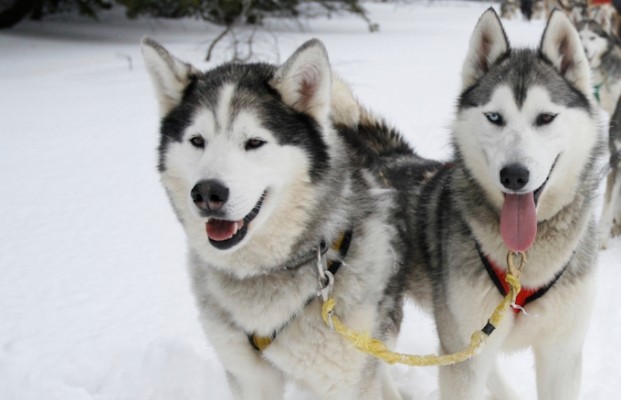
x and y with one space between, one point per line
526 141
271 170
604 54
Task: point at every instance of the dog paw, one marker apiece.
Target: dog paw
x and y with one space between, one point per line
615 230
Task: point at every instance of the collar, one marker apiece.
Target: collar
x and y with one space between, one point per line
598 86
526 295
341 246
596 91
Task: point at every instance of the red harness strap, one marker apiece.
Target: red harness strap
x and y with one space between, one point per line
526 295
498 277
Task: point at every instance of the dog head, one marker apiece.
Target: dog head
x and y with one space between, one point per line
525 126
595 39
242 148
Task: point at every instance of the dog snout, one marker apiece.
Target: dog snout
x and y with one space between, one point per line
514 176
209 195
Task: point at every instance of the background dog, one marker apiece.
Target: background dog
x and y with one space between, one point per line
604 55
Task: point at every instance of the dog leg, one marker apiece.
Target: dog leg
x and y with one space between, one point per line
499 387
373 383
559 370
260 387
389 388
466 381
615 203
605 221
250 376
612 208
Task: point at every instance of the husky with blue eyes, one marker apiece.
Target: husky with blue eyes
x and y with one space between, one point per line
527 147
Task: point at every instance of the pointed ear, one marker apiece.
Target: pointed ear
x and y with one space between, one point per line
604 19
488 44
561 46
304 81
169 75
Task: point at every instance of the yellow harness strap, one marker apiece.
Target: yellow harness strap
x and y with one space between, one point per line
376 348
260 342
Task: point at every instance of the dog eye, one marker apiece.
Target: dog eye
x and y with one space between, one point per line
495 118
197 141
254 143
544 119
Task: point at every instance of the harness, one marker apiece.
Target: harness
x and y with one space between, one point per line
507 281
596 90
526 295
341 246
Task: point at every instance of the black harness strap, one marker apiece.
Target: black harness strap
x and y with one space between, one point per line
533 294
342 246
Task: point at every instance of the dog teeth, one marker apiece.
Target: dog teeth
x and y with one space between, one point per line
238 226
221 230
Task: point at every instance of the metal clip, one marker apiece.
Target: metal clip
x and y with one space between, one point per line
326 286
322 270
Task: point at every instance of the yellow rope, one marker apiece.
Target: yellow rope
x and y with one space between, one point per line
376 348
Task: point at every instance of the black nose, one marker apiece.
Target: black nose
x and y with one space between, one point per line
514 176
209 195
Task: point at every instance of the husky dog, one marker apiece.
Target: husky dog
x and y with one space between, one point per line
539 10
576 9
610 221
271 170
528 8
509 9
606 15
526 141
604 54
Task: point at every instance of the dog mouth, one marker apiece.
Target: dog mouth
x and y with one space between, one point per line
225 234
518 217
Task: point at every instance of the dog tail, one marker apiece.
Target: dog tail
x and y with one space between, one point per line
369 135
376 145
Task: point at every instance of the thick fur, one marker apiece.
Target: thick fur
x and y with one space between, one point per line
294 136
458 209
604 54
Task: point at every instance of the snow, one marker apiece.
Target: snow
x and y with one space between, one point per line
94 295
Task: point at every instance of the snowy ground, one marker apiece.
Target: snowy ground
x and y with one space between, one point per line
94 295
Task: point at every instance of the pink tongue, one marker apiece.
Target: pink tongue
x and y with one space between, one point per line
518 221
220 230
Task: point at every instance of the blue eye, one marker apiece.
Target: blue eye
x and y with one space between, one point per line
494 118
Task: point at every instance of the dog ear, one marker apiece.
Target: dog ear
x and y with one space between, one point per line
304 81
488 44
561 46
169 75
604 19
